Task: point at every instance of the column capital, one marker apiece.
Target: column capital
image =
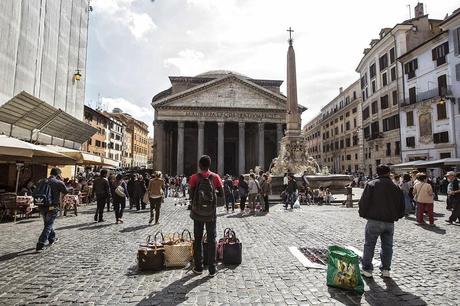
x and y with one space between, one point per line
180 124
261 124
241 125
200 124
157 123
220 123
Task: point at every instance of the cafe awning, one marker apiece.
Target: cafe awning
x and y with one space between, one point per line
81 158
12 149
27 111
429 163
110 163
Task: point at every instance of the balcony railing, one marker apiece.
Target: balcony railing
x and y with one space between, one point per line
427 95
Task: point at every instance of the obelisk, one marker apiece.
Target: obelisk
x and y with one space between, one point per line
292 115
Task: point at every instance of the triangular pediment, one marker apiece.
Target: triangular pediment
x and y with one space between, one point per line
227 92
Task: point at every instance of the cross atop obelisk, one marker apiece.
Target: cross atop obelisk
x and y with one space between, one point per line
290 37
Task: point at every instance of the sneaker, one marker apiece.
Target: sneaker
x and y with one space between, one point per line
366 273
197 272
116 222
212 271
386 273
151 220
51 242
39 248
120 220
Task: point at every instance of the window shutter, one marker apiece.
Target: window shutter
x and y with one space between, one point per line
415 64
446 47
457 41
457 72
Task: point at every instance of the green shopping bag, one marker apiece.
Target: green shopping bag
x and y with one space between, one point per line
343 269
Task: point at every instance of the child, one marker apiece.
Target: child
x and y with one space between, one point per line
328 196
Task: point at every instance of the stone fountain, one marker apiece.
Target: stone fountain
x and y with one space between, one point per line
293 156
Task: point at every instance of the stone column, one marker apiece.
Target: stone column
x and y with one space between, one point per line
241 148
200 149
180 148
261 145
159 142
279 135
220 148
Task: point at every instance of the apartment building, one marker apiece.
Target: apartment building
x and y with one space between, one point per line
312 134
381 81
116 131
97 144
341 132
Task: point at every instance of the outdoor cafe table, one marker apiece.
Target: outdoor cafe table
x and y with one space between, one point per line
70 201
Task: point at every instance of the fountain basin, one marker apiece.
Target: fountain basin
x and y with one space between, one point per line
335 182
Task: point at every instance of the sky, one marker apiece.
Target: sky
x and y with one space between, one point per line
134 45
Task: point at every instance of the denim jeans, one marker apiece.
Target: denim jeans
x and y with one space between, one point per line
198 228
374 230
119 205
48 234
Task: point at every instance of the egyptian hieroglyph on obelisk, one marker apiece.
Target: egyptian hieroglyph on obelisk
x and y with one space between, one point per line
292 115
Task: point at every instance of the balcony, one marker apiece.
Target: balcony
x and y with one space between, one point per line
374 136
434 93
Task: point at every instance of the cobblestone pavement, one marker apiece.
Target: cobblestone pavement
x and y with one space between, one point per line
94 263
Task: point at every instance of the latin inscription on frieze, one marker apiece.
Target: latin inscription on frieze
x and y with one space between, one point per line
233 115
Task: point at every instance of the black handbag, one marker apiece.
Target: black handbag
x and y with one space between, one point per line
232 249
151 255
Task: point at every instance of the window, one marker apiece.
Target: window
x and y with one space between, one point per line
391 123
375 129
384 102
456 35
348 157
410 67
444 155
384 79
367 132
410 118
356 157
336 145
354 95
98 143
388 151
441 109
442 137
439 53
347 126
395 97
373 87
347 114
442 85
375 107
354 122
347 142
366 113
412 95
354 110
372 71
410 142
393 74
355 140
392 55
341 144
397 148
364 81
336 130
383 62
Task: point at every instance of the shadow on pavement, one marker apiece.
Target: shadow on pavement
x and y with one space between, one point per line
345 297
134 228
395 295
29 251
74 226
96 226
433 229
175 293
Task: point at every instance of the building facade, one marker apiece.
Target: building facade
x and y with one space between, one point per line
313 140
236 120
127 157
342 150
150 158
43 53
428 110
381 87
116 130
97 144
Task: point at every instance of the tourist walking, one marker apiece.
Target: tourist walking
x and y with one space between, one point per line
166 188
130 186
265 189
155 191
423 195
381 204
285 181
101 188
453 194
243 190
119 195
205 187
48 193
139 191
254 188
291 191
228 190
406 189
111 179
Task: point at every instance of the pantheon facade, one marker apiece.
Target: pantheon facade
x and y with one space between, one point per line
236 120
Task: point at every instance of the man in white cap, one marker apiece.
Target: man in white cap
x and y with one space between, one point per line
453 192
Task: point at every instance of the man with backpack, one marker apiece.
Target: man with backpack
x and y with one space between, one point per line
101 188
205 187
46 197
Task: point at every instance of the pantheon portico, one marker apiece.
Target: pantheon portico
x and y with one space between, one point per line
236 120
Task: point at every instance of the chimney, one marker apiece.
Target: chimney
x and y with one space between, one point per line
418 10
340 89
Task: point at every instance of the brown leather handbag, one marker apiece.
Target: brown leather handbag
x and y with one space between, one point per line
151 255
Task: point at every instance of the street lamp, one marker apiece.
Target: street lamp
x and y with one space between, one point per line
77 75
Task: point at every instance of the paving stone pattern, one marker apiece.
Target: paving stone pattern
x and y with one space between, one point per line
95 263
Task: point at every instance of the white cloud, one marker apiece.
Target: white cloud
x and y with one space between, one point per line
188 62
121 11
142 113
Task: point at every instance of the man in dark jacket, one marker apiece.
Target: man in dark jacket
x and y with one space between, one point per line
130 186
139 190
291 191
382 203
50 212
101 188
